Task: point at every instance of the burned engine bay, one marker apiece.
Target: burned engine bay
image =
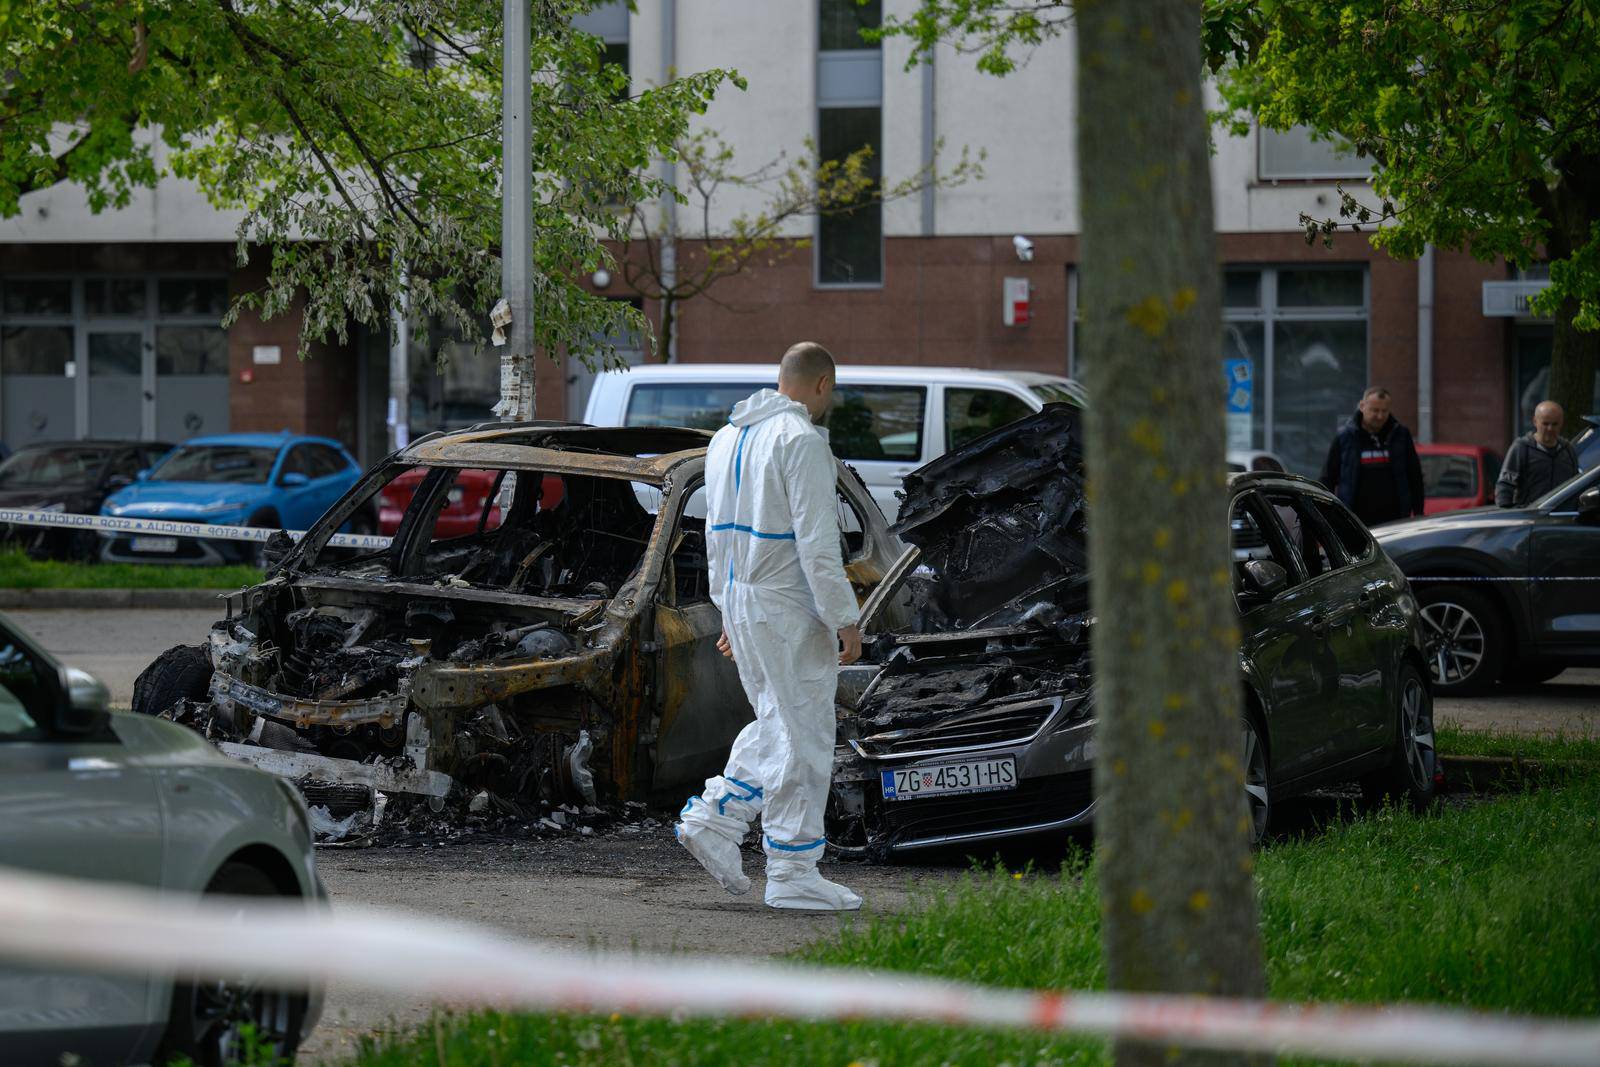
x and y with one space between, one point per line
497 645
979 646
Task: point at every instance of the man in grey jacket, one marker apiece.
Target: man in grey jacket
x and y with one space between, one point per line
1536 462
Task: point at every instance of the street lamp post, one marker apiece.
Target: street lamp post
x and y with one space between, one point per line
516 214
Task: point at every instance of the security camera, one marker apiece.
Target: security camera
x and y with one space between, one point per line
1024 248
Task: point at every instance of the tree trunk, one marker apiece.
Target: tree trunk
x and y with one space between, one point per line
1177 896
1574 360
669 322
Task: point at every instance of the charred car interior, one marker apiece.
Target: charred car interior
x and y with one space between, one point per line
558 649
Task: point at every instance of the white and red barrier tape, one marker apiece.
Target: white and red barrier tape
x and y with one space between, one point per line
63 923
170 528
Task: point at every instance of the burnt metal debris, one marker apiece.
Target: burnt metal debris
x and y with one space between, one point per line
539 633
981 646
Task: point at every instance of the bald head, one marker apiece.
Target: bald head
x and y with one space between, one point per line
1548 419
806 374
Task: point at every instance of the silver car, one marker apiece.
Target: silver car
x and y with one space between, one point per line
100 795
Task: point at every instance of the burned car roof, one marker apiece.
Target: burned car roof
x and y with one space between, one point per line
642 454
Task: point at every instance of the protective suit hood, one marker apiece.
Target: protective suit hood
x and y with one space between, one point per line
764 404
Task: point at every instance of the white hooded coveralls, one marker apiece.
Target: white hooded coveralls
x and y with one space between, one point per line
778 578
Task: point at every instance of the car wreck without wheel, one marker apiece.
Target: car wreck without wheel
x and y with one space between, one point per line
563 649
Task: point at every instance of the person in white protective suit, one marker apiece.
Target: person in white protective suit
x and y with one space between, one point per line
778 578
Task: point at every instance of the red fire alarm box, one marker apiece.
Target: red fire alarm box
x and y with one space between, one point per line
1014 309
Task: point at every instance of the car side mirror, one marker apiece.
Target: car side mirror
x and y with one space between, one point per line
143 475
1589 503
87 704
293 480
1264 578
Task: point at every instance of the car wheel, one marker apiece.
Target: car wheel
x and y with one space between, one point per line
255 552
182 672
1466 639
209 1020
1409 776
1257 788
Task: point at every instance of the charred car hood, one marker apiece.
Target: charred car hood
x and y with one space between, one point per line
1002 528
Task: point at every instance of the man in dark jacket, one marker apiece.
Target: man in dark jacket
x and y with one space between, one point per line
1536 462
1372 465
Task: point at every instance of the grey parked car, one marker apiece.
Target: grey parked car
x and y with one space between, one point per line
130 798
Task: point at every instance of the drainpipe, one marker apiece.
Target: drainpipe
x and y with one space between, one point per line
1425 345
669 174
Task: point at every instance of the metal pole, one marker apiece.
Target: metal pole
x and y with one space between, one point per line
669 174
1425 346
399 415
516 214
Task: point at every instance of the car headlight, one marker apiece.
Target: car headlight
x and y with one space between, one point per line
217 507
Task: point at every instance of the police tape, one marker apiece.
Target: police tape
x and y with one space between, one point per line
62 923
115 524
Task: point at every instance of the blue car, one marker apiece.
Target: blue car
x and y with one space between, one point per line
279 481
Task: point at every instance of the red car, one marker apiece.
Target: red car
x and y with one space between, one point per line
1457 476
463 508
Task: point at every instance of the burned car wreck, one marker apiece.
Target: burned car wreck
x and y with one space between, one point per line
972 716
561 648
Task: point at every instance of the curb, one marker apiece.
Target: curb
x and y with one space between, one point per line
1483 773
104 599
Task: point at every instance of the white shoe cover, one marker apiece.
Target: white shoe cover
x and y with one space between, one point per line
806 890
719 855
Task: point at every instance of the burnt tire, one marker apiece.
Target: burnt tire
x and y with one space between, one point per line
1413 760
182 672
208 1019
1466 635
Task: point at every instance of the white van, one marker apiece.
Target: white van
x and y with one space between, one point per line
886 421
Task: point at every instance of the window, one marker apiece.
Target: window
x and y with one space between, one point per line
697 405
1253 538
877 422
1296 154
1357 542
1315 543
26 694
50 466
323 461
1301 335
191 350
36 350
849 249
37 296
971 413
217 463
1449 476
115 296
192 296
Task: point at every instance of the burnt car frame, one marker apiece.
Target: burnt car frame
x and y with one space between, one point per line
979 650
566 653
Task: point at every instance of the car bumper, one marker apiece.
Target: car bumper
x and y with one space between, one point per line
198 551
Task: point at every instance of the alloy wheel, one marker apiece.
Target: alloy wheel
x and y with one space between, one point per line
221 1010
1416 733
1257 800
1456 642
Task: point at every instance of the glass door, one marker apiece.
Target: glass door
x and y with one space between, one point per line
116 384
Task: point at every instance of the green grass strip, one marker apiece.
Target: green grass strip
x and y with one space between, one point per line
1495 906
1454 741
17 571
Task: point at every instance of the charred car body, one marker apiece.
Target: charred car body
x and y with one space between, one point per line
975 718
562 649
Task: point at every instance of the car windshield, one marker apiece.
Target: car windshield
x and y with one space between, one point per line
1573 486
217 463
1060 393
51 466
1449 476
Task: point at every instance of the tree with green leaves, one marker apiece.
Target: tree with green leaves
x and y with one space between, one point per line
1177 897
1481 124
799 188
361 139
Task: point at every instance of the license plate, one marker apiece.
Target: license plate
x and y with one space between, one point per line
946 779
155 544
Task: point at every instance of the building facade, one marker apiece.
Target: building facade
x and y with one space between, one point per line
110 323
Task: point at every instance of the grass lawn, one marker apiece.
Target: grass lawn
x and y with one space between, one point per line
1452 741
17 571
1494 906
